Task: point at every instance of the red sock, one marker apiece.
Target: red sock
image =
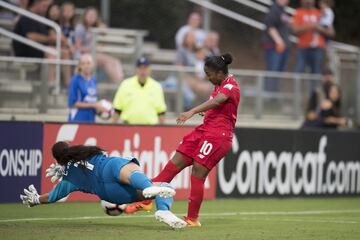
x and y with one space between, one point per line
168 173
196 197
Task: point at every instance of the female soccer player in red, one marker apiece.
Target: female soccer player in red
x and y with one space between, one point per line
208 143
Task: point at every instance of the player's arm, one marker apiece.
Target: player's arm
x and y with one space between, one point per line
118 103
210 104
161 117
32 198
116 116
97 106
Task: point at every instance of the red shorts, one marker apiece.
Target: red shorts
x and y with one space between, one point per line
204 148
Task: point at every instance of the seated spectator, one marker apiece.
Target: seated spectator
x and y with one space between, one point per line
185 55
32 30
54 14
140 99
318 94
193 24
212 44
83 44
330 110
197 82
10 15
82 93
67 21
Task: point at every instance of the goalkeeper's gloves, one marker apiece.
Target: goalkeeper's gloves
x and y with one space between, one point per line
55 171
31 197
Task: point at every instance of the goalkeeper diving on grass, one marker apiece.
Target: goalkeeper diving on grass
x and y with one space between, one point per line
113 179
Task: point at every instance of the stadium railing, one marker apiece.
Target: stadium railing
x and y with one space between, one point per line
38 87
122 43
295 88
56 52
344 59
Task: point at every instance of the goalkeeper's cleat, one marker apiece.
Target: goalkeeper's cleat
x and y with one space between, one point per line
139 206
165 192
192 222
170 219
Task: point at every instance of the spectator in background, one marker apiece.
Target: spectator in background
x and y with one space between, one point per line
32 30
330 114
185 54
193 24
140 99
67 23
276 41
311 37
5 14
53 13
318 95
327 15
212 43
197 82
83 44
82 99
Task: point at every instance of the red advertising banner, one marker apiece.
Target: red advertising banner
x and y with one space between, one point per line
151 145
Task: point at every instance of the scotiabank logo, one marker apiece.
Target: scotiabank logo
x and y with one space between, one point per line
286 173
152 146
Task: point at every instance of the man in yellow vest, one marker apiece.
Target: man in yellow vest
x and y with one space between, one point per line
140 99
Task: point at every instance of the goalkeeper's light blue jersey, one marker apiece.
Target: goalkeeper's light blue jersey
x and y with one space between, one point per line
99 175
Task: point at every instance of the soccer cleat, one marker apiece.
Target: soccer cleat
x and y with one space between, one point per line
165 192
170 219
138 206
191 222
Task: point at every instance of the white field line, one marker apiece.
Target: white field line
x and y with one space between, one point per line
221 214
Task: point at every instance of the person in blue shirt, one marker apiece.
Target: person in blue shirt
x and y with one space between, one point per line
82 94
113 179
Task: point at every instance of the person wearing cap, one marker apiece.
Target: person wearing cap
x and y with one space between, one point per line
140 99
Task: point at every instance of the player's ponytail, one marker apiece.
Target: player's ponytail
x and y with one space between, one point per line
64 153
219 63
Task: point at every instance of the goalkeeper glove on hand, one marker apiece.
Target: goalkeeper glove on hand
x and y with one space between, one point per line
31 197
55 171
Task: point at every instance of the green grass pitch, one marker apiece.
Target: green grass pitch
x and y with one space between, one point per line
317 218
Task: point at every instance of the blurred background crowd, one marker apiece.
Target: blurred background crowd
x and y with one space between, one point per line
294 67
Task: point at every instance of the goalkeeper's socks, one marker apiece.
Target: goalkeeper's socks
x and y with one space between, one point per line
139 181
196 197
163 203
168 173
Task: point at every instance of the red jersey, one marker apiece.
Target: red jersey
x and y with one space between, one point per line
223 118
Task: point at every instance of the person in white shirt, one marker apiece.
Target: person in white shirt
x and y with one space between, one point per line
193 24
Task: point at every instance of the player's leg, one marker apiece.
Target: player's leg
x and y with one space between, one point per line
210 151
182 158
163 213
173 167
178 162
197 180
131 174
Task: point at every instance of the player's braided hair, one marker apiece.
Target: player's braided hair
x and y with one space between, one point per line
64 153
219 63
